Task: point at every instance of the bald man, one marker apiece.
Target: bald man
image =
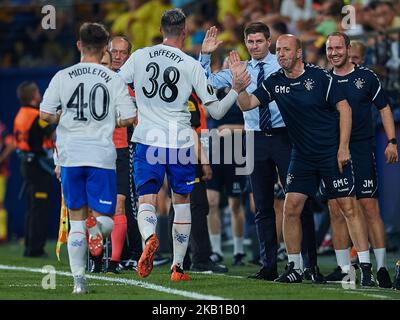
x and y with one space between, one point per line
309 102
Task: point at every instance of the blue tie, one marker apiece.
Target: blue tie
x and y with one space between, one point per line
264 114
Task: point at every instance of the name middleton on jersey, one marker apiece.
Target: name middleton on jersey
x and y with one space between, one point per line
166 53
89 70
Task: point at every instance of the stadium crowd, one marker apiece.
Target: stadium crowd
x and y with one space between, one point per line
137 22
24 43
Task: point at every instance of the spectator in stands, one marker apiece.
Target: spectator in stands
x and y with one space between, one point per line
298 13
385 16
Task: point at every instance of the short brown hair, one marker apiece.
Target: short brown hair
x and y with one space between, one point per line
256 27
93 36
173 22
343 35
26 91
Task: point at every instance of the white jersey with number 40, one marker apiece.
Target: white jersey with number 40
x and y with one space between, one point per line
90 97
164 78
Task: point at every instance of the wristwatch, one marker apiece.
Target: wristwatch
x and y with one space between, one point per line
392 141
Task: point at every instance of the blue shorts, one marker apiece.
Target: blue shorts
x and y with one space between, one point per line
152 163
363 158
94 187
305 176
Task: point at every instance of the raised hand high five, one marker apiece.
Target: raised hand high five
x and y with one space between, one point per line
210 42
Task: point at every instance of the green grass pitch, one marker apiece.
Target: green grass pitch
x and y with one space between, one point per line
21 278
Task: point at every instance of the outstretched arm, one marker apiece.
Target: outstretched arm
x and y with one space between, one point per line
241 80
210 42
223 78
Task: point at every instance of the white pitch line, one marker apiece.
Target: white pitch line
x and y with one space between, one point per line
66 285
355 291
363 291
141 284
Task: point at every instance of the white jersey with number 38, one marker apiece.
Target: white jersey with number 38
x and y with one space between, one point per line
164 78
90 97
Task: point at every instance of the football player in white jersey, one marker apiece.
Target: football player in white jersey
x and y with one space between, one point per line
164 78
93 100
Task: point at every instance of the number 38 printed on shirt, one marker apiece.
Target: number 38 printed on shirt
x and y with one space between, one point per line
170 76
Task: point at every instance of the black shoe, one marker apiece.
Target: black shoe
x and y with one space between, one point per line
307 274
96 264
396 280
383 278
216 257
265 274
290 275
316 276
337 276
367 279
238 259
130 264
208 267
113 267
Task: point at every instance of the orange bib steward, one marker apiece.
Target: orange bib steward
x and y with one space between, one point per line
31 133
34 146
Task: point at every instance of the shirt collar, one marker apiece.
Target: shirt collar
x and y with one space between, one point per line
267 60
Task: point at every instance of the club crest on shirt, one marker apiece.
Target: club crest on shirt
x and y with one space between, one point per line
289 178
359 83
309 84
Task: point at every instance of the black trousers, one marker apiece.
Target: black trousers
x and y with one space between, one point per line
271 152
133 243
199 241
38 186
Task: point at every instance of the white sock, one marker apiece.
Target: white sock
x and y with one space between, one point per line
77 247
380 256
301 262
106 225
181 232
238 245
147 220
215 240
296 258
363 256
343 259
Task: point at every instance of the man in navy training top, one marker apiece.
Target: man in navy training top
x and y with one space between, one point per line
272 153
309 103
362 89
